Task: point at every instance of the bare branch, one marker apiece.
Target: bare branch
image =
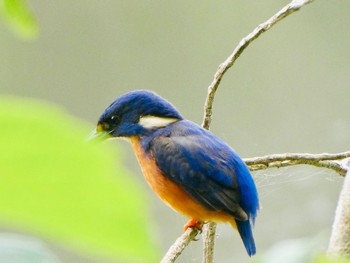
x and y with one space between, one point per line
209 242
325 160
339 243
243 44
180 244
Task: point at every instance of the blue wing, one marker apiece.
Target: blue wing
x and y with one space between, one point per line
209 171
207 168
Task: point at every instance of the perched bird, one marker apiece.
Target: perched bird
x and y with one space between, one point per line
188 167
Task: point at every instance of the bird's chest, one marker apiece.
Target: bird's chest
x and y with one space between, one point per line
160 184
170 192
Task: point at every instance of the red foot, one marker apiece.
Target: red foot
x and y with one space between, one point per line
193 223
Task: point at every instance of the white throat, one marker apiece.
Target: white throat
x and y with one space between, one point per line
152 122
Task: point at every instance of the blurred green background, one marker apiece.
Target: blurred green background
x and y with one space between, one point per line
287 93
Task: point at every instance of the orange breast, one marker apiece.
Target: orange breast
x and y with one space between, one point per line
171 193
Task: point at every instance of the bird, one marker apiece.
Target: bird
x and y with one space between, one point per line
192 170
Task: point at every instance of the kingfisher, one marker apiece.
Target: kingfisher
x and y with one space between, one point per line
188 167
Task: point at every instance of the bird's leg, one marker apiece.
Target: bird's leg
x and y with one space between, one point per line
194 223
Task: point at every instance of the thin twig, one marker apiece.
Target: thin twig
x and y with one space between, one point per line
243 44
339 243
209 235
326 160
176 249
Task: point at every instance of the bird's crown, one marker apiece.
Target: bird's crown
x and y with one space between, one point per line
135 111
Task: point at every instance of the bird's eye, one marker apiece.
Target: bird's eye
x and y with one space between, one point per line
115 119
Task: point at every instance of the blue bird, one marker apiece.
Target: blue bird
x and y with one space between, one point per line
188 167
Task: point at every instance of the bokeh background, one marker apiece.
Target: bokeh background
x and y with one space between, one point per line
288 92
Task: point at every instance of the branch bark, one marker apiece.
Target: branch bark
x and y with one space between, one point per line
325 160
209 234
339 243
293 6
180 244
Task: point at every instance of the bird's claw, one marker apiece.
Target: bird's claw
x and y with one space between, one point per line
194 223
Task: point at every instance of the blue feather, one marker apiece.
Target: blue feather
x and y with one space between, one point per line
249 194
245 231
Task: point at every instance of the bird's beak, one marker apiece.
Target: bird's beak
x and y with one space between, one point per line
98 134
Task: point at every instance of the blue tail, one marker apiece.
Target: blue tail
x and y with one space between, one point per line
245 230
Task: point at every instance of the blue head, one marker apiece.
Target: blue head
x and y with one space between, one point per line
136 113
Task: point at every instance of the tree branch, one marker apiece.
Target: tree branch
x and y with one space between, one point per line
209 229
209 234
293 6
180 244
325 160
339 243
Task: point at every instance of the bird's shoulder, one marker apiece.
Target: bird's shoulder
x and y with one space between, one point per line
187 141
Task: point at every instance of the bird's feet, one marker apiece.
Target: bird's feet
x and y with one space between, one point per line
194 223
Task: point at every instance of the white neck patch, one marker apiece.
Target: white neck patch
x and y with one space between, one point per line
152 122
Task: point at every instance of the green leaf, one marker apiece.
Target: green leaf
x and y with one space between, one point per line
323 258
19 18
56 184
